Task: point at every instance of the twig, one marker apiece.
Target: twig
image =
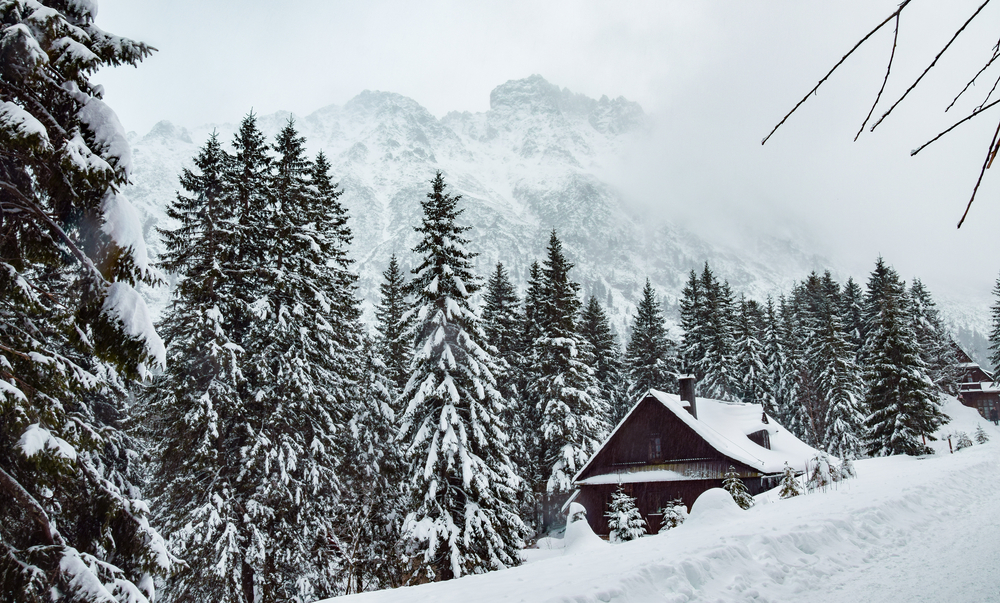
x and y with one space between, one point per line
931 66
989 154
892 55
842 59
955 125
972 81
992 90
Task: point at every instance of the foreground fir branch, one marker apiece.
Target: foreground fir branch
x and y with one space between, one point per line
73 331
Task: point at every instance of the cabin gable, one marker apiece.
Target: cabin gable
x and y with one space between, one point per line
653 437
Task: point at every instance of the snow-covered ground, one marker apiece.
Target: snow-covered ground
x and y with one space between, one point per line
907 529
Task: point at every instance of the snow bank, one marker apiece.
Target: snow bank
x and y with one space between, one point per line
907 529
715 505
579 536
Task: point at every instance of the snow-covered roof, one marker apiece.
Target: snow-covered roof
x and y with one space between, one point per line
724 426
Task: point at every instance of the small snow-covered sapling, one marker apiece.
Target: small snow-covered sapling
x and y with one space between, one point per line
624 519
674 514
980 435
735 486
963 441
789 483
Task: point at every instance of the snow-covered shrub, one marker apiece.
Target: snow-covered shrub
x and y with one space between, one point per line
789 483
624 519
735 486
820 475
980 435
847 469
963 441
674 514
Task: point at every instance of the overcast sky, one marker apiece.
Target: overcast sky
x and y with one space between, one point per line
716 76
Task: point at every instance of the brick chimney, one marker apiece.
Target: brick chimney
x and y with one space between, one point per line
687 393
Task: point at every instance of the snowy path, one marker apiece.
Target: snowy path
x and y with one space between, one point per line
907 530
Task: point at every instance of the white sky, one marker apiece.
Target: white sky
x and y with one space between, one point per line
716 76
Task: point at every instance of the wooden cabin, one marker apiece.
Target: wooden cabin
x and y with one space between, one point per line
667 448
977 388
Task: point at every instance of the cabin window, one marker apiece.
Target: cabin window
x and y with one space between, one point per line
655 450
761 438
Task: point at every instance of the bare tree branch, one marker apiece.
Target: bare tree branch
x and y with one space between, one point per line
931 66
990 153
839 63
888 70
973 80
993 89
974 113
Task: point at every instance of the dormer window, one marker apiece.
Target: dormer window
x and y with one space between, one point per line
655 449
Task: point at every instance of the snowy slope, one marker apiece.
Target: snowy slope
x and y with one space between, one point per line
532 163
907 529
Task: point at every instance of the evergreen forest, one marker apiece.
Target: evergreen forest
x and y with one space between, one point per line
262 443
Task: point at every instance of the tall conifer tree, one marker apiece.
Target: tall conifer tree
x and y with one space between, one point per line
192 407
462 514
573 413
650 355
750 355
596 330
995 331
393 325
901 397
936 347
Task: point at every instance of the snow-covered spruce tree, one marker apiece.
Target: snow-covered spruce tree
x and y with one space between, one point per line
935 344
851 302
692 347
750 355
624 519
596 330
831 360
303 352
502 328
189 411
962 441
73 331
846 469
529 438
674 514
395 338
462 514
719 380
901 397
774 354
732 483
995 330
649 356
573 413
797 390
789 483
372 497
980 435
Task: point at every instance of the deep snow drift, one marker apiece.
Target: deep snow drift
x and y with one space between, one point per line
907 529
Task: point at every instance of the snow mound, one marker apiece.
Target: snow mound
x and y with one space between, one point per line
579 536
714 506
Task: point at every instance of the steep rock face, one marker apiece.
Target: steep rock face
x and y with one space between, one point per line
530 164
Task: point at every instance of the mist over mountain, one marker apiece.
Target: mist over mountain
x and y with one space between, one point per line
541 158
